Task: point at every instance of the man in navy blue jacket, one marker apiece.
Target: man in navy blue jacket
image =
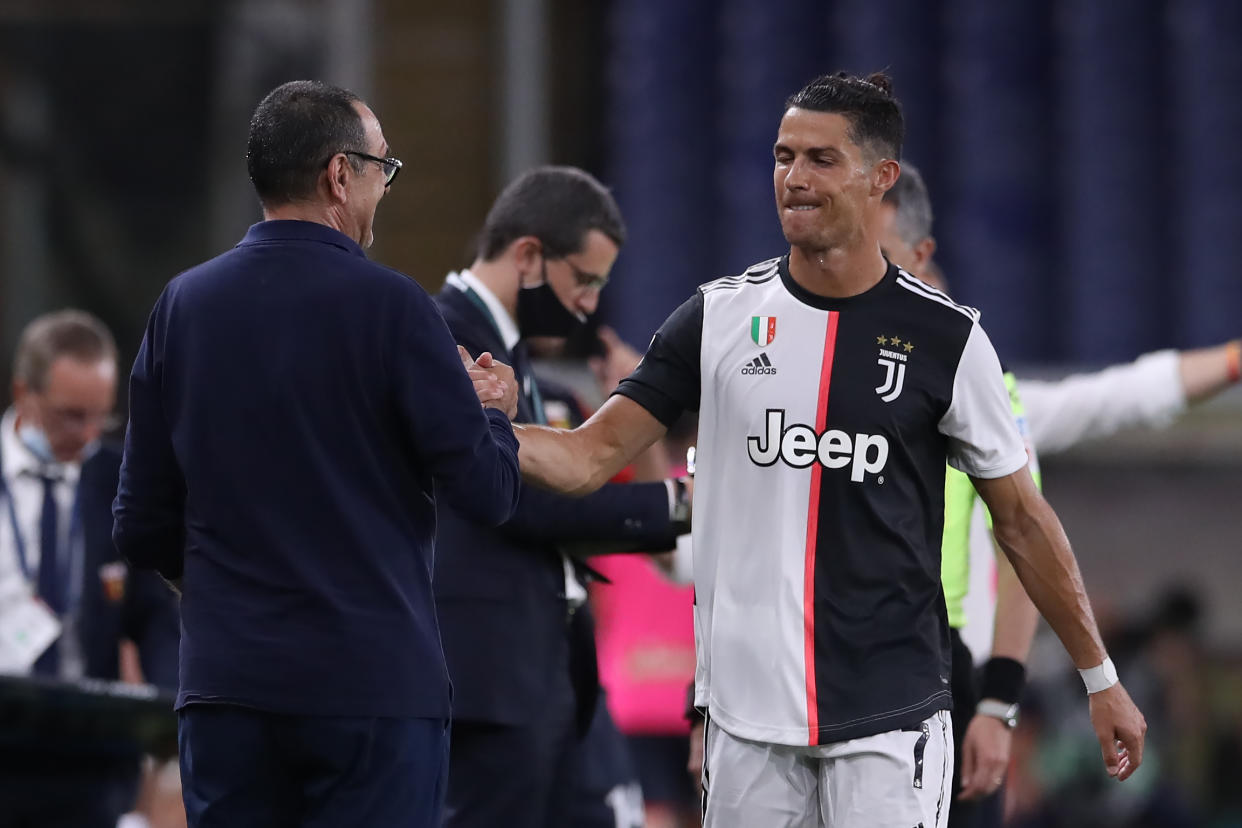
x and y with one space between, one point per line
295 413
520 647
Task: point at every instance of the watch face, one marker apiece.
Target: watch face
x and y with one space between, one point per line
1006 713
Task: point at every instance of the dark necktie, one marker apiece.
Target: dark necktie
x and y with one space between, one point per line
524 372
51 580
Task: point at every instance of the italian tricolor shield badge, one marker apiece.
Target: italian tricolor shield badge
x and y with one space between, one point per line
762 329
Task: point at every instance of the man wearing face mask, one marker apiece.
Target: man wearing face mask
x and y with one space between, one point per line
66 599
519 643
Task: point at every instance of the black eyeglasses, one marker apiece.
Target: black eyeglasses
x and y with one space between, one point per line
391 166
591 281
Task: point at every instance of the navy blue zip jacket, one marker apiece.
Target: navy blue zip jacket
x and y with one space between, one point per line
295 410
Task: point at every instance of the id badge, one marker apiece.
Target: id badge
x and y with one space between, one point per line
27 628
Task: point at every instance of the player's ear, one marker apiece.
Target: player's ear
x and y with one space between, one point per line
884 176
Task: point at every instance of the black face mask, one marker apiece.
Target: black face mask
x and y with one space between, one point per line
540 312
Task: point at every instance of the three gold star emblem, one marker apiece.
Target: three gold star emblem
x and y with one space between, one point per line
896 342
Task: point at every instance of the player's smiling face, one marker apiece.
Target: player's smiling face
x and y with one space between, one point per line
821 177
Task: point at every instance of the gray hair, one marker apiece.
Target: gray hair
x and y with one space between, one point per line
71 333
914 210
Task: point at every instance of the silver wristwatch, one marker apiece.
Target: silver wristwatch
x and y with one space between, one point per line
1006 712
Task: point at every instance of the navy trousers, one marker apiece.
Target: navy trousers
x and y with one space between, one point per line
515 776
243 767
606 790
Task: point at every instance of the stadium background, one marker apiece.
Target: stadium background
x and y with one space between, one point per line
1080 153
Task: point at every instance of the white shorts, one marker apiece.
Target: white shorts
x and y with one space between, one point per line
897 779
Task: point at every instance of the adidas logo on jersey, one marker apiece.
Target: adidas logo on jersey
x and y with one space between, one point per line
759 365
799 446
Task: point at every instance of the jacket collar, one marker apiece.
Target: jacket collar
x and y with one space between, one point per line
290 230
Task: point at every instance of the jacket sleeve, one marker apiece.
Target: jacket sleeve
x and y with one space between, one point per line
636 515
149 510
151 619
470 452
632 517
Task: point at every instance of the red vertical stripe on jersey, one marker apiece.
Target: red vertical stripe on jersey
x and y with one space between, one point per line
812 531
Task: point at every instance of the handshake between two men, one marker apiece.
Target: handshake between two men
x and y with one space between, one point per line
494 382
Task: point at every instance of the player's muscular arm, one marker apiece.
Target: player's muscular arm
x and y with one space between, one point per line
1031 536
580 461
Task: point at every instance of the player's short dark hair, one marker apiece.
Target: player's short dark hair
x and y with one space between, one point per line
65 333
914 210
558 206
875 115
294 131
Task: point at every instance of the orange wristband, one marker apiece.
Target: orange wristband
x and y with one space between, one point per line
1233 360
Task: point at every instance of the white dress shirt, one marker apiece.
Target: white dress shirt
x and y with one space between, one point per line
21 471
575 593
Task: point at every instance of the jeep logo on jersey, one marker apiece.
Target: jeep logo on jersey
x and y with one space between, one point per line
894 363
763 330
799 446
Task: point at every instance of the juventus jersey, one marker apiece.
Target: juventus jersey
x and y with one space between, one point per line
824 429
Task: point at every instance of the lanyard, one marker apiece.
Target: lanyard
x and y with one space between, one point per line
529 385
77 546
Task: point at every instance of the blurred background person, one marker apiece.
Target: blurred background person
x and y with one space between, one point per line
518 638
69 605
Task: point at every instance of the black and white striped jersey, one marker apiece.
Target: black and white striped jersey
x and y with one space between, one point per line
824 428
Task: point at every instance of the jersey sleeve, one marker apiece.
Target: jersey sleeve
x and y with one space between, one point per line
1024 426
668 381
983 435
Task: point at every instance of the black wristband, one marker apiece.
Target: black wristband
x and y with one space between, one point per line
1002 680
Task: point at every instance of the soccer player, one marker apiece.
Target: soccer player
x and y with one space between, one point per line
832 387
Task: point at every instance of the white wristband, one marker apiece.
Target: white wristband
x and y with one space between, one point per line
1099 678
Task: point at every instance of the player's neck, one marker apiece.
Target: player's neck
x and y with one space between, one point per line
837 272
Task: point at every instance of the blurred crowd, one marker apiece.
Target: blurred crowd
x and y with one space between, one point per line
1189 693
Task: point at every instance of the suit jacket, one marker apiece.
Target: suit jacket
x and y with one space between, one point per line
117 602
500 592
295 412
146 612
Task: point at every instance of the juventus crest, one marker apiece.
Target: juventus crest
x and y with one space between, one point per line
893 359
